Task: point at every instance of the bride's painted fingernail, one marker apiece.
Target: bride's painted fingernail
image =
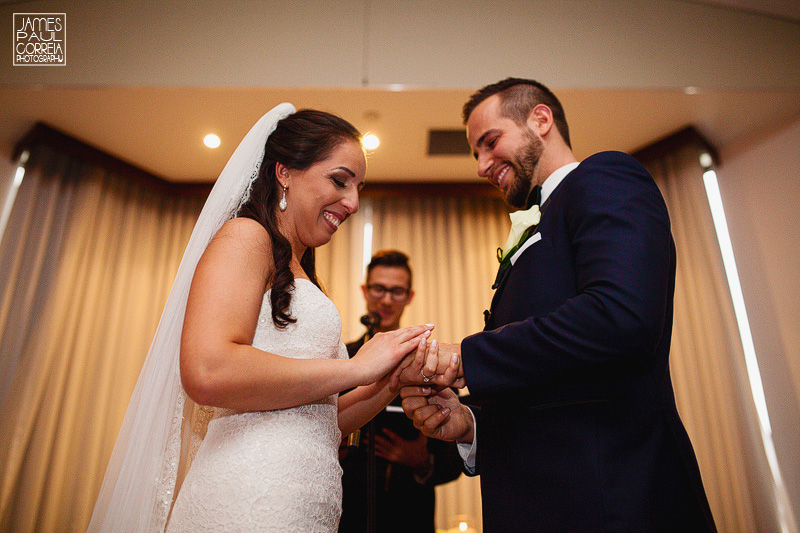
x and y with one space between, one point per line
454 359
430 324
434 344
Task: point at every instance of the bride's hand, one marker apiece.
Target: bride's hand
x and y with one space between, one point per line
385 351
417 354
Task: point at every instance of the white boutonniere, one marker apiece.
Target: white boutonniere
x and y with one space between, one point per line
520 221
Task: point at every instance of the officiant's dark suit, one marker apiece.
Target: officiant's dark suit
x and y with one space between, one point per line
404 502
404 492
577 428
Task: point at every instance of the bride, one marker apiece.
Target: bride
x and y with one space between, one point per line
234 424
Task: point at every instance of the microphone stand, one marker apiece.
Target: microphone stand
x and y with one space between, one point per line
371 465
371 321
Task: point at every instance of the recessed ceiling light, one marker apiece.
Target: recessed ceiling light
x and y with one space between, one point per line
370 141
211 140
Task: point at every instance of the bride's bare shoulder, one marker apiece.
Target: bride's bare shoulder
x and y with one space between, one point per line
241 245
246 231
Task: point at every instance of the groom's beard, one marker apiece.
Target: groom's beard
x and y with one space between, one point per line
524 165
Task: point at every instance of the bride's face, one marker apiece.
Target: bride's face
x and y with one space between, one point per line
323 196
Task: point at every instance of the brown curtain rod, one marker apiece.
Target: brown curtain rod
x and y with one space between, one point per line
46 135
674 141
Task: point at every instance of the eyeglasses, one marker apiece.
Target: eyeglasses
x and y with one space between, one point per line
377 291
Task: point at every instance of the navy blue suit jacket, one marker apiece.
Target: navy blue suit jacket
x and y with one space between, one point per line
578 428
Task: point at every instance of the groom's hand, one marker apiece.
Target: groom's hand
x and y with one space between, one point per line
439 415
384 352
439 366
445 364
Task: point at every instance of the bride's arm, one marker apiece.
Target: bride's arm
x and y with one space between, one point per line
219 367
360 405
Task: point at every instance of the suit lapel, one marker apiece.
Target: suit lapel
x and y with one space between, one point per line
502 277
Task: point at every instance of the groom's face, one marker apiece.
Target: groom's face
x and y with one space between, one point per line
507 153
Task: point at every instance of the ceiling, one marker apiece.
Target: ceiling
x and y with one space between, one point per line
160 128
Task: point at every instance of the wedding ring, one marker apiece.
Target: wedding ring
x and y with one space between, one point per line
425 379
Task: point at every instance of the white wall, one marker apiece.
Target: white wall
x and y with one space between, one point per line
760 186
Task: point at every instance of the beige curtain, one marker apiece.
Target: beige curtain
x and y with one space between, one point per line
87 262
707 360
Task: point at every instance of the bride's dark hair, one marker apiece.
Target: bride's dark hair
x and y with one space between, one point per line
298 142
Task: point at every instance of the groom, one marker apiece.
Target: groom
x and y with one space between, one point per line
577 428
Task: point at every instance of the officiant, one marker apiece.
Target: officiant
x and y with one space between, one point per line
408 465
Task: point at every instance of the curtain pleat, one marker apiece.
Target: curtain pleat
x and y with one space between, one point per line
90 257
707 360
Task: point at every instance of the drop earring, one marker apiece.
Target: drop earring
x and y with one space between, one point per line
282 203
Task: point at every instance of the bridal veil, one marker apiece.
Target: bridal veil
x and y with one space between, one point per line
162 426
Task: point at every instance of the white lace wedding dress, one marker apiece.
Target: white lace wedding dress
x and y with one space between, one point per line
272 470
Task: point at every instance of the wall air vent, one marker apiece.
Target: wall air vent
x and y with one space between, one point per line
448 142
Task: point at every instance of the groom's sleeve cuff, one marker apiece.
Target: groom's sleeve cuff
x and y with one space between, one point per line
467 450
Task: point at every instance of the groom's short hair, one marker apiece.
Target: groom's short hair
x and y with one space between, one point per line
518 97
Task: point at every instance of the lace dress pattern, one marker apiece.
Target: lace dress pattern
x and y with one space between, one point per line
272 470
